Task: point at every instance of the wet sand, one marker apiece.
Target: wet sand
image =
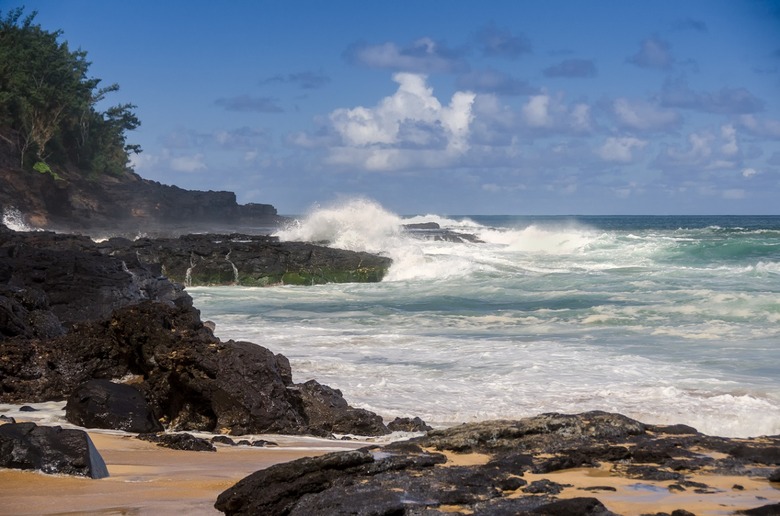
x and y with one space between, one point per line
147 479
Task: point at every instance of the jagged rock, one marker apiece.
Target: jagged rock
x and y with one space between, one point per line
405 424
116 315
67 276
327 412
408 478
249 260
223 439
551 431
772 509
105 404
50 450
186 442
191 379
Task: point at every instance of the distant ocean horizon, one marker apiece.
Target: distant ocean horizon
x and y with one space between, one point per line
667 319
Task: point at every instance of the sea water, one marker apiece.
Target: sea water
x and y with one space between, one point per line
664 319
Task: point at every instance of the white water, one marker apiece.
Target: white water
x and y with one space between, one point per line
664 325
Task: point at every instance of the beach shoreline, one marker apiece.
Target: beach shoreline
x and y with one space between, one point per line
147 479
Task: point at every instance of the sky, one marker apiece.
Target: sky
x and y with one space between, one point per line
451 107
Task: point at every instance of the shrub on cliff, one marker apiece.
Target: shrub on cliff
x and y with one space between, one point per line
48 104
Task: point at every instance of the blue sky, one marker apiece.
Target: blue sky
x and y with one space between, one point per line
449 107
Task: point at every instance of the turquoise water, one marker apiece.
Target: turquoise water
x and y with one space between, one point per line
666 319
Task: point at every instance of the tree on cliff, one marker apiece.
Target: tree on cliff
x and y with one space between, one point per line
48 104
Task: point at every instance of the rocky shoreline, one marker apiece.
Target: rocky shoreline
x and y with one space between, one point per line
102 326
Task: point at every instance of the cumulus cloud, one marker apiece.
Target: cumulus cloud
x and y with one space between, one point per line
408 128
749 172
699 150
248 103
424 55
495 81
643 116
572 68
620 149
546 113
188 163
767 128
499 42
537 111
729 101
729 136
653 53
307 80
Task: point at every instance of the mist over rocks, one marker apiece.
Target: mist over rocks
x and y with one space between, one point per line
72 311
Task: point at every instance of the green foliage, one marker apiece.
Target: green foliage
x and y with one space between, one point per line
43 168
48 103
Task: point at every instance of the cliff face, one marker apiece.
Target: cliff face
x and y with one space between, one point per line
128 204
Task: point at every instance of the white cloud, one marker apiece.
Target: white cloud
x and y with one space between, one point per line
642 115
424 55
699 149
580 118
536 111
143 161
410 127
620 149
729 135
749 172
768 128
188 163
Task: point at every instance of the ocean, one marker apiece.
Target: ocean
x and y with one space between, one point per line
666 319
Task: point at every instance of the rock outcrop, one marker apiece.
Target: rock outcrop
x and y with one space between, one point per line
71 312
50 450
105 404
499 468
248 260
128 204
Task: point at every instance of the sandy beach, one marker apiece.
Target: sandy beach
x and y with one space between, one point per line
147 479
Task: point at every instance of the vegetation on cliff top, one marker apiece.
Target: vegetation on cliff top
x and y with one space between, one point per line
49 105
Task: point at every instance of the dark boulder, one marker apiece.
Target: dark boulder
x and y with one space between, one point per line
191 379
406 424
183 441
327 412
50 450
105 404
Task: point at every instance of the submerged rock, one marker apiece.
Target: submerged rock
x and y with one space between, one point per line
50 450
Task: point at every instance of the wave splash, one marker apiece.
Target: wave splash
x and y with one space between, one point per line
14 219
364 225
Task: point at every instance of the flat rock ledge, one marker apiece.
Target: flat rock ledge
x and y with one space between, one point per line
505 468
